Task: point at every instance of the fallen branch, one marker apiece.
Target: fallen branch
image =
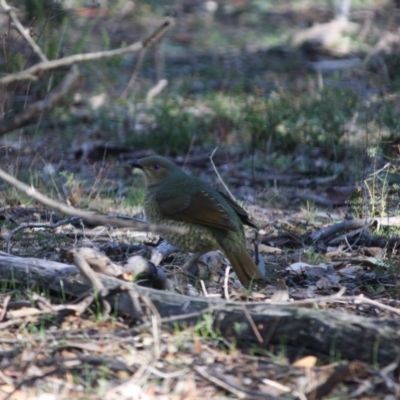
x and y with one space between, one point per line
349 225
32 72
325 334
23 31
87 216
35 109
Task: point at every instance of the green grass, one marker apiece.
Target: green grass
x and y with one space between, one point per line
278 122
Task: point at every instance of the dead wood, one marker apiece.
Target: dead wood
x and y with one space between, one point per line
33 111
32 73
92 218
298 330
349 225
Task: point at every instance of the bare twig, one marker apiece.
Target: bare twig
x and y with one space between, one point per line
155 324
232 387
219 382
23 31
34 225
134 75
341 373
16 315
219 176
5 307
135 309
203 288
90 217
338 227
90 275
348 225
252 324
35 109
338 297
226 279
156 90
30 73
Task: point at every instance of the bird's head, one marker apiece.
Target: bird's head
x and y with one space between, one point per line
156 169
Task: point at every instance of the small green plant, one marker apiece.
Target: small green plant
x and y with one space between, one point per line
205 328
310 211
375 196
96 310
313 257
334 353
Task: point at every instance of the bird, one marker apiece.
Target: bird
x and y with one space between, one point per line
210 218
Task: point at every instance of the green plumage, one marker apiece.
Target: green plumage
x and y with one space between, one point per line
212 220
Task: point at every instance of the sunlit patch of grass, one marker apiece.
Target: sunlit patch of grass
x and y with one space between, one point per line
134 196
280 123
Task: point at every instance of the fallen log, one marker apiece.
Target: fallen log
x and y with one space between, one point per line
258 326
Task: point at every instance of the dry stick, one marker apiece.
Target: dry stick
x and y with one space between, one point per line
226 279
353 224
23 31
98 287
27 225
252 324
137 311
42 303
155 325
5 307
383 373
341 373
203 288
219 176
219 382
90 217
88 273
92 277
168 375
338 227
7 379
13 315
35 109
338 298
30 73
134 75
155 90
7 324
339 239
232 387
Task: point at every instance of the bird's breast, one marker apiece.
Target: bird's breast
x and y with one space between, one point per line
196 237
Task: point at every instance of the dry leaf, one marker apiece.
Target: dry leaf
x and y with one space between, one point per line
305 362
298 267
263 248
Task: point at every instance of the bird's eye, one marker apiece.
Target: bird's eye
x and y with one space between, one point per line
156 167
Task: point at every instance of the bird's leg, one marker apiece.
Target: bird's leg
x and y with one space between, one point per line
186 266
192 268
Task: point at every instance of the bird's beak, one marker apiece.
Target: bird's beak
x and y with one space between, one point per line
135 164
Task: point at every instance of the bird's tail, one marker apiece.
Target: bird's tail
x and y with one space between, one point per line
245 268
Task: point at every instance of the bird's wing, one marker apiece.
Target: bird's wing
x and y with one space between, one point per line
241 212
197 208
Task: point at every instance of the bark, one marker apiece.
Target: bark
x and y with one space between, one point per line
297 331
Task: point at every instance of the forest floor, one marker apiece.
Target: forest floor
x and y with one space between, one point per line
294 111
